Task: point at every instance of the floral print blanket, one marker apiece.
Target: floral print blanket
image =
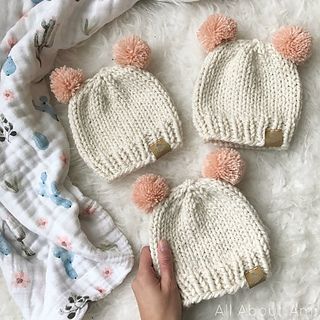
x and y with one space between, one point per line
58 249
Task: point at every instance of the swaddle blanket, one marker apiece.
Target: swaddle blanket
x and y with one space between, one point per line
58 249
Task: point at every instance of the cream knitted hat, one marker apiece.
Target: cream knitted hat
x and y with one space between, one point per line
218 241
248 93
122 118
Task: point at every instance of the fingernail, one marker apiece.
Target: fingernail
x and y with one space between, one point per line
143 248
163 245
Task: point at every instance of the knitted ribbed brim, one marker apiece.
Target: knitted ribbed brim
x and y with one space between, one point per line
216 237
121 120
247 95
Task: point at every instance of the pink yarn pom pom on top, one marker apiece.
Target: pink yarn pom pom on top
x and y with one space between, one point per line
65 82
148 191
216 30
132 51
224 164
293 43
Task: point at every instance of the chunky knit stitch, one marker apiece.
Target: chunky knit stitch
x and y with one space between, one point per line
245 89
215 236
117 115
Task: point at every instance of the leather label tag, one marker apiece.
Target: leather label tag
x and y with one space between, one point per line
273 138
255 276
160 148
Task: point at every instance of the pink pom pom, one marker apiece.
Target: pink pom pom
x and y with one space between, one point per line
215 30
293 43
148 191
224 164
132 51
65 82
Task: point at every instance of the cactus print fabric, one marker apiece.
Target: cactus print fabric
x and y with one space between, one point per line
44 252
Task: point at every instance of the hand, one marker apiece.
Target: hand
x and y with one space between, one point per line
158 298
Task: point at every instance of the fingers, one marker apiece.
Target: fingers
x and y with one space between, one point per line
145 260
146 272
166 264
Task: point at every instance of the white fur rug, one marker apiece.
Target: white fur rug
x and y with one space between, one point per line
283 186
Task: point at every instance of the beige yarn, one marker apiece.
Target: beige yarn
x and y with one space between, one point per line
215 235
244 88
117 115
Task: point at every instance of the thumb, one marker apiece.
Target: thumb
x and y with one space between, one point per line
166 264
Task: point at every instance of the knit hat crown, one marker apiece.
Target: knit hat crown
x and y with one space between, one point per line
218 241
122 118
248 93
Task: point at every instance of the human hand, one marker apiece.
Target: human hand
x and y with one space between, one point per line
157 298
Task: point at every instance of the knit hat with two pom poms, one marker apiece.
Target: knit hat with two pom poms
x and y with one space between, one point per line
218 242
248 93
121 119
